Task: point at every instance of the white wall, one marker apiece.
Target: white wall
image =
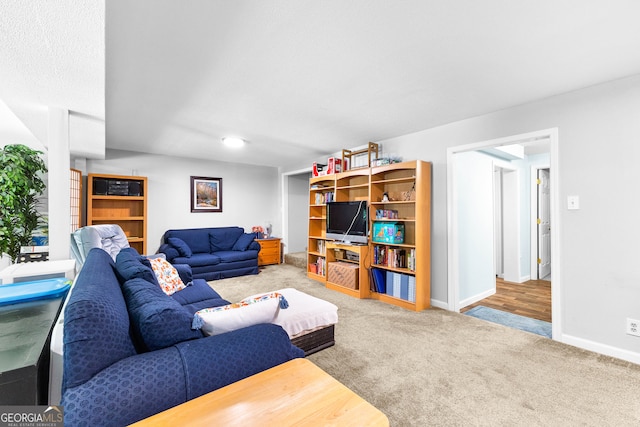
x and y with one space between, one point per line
474 191
250 194
599 132
298 212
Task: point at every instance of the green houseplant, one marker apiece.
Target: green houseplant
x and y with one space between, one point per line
21 184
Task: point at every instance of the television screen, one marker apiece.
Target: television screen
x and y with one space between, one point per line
347 221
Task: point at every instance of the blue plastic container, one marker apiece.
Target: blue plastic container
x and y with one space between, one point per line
14 293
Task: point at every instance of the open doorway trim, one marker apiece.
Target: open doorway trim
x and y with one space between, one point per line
550 135
534 216
284 209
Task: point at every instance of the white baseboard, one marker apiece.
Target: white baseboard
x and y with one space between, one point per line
439 304
477 297
607 350
525 278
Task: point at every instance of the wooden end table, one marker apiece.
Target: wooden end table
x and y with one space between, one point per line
269 251
296 393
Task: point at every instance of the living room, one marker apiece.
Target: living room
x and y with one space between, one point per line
597 132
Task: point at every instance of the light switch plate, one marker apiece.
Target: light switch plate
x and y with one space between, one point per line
573 202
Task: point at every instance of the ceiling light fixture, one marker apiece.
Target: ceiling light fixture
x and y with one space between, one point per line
233 142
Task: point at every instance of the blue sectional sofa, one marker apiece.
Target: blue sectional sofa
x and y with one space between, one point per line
129 351
213 253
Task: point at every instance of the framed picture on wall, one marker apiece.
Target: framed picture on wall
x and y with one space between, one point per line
206 194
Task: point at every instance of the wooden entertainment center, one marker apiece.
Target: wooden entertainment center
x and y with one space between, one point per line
396 194
122 200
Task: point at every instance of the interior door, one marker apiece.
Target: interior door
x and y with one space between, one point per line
544 225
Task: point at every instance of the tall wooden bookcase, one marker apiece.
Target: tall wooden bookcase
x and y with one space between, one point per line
403 188
127 208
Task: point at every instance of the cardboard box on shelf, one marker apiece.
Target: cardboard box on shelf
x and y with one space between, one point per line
343 274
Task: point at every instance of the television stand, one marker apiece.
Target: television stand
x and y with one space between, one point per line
362 252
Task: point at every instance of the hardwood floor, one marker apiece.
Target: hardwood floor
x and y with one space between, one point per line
529 299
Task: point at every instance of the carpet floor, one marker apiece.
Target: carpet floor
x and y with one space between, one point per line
439 368
511 320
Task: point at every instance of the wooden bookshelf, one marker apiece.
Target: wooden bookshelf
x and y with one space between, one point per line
128 211
407 187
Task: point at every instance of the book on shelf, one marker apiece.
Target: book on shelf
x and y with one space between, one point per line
394 257
321 267
386 214
324 198
399 285
379 280
321 245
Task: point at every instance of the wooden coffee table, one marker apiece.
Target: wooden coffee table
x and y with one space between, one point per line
296 393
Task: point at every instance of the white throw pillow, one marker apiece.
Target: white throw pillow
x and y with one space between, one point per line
248 312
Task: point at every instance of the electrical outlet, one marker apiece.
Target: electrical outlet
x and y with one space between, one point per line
633 327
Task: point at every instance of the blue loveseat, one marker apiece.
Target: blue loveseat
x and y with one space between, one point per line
213 253
130 352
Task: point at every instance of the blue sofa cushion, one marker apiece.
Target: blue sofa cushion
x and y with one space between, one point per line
158 320
198 291
185 272
130 265
96 323
196 238
243 242
198 260
182 248
169 251
233 256
223 239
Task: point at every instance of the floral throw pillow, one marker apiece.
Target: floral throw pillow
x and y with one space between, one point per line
167 276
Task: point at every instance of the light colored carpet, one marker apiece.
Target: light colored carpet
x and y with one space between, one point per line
297 259
437 368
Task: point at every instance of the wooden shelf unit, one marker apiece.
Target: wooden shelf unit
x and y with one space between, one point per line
129 212
347 156
321 189
408 188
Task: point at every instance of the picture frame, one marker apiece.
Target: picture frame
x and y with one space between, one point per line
206 194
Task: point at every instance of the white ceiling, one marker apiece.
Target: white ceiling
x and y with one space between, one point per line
298 79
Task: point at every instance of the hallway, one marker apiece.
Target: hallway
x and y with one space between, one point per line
529 299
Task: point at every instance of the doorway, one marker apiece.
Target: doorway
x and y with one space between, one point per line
460 266
295 197
506 229
543 224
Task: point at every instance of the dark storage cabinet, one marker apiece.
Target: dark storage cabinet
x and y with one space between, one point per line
25 336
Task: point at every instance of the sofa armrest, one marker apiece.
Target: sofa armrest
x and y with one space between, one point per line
169 251
145 384
185 273
216 361
138 386
254 246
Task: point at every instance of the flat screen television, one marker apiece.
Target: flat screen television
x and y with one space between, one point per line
347 221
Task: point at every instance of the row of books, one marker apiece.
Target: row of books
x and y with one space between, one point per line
386 214
321 246
319 267
394 257
394 284
323 198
